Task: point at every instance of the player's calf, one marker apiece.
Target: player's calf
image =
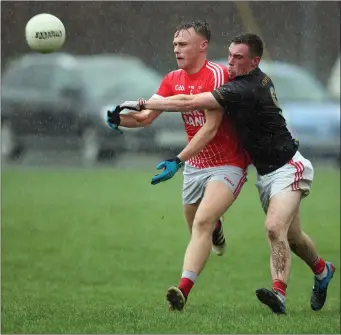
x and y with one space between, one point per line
281 210
196 255
280 255
279 216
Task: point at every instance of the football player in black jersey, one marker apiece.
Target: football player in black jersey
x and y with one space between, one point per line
284 176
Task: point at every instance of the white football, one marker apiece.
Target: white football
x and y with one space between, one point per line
45 33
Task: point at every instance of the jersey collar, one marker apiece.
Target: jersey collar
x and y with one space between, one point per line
197 74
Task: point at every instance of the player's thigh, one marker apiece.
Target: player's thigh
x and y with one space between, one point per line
193 191
222 188
216 201
233 177
282 210
227 182
189 212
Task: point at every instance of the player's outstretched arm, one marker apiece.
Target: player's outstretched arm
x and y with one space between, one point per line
138 119
147 116
144 118
177 103
205 134
184 103
135 119
130 120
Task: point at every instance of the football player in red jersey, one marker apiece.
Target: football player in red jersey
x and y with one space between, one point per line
215 163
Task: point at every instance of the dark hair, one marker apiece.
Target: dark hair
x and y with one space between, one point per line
201 28
253 41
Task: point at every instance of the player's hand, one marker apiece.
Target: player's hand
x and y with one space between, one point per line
137 105
170 168
113 118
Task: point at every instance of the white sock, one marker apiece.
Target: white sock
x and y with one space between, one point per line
190 275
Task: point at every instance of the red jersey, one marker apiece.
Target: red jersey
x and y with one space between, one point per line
224 148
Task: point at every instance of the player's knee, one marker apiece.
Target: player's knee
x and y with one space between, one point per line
203 224
274 230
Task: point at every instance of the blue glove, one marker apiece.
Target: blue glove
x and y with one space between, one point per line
170 168
113 118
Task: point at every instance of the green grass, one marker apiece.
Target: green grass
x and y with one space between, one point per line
95 251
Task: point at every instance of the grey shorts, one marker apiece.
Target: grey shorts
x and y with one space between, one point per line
195 181
297 174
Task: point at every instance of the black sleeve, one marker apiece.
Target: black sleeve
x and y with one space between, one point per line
227 95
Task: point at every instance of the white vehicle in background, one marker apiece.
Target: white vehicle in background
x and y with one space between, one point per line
59 102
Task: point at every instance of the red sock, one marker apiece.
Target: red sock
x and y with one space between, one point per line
186 285
318 266
279 286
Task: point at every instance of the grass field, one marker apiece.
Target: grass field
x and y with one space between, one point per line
95 251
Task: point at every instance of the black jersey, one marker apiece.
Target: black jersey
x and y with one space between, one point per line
251 103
